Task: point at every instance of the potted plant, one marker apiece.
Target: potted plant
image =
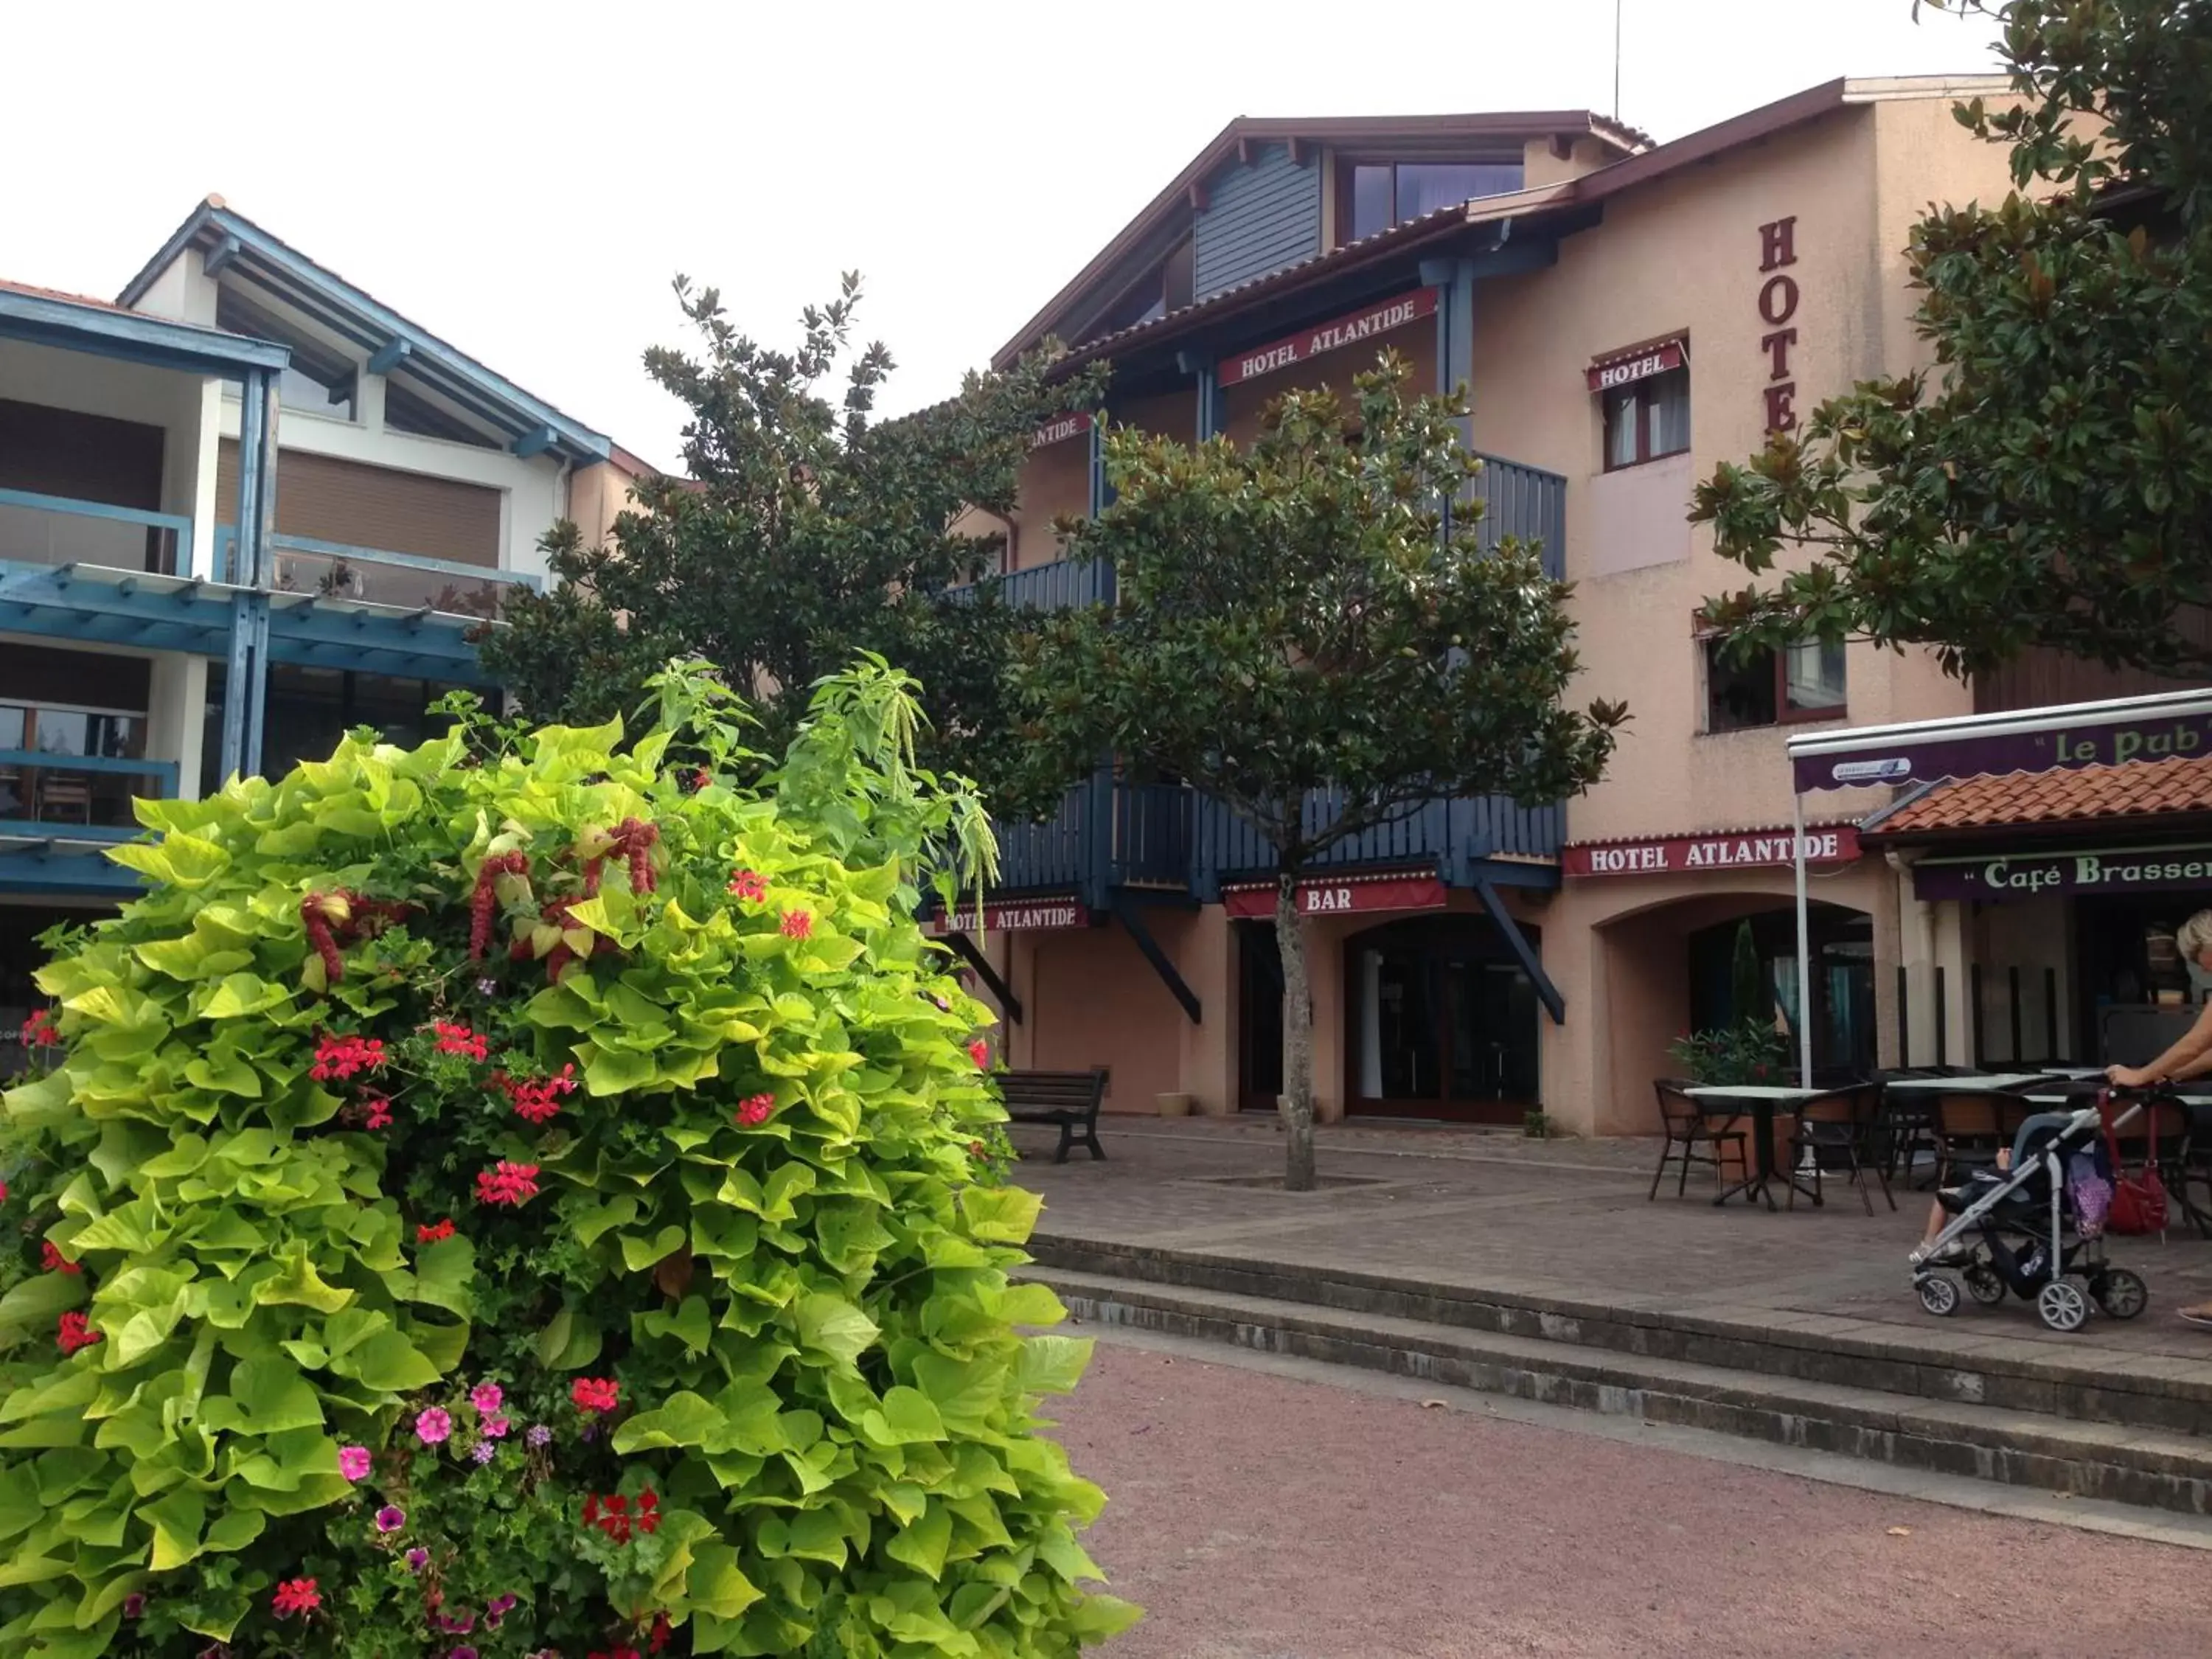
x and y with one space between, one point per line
1746 1052
1536 1123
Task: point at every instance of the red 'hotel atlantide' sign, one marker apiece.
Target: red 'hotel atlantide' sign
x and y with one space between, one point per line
1351 895
1033 916
1669 855
1310 343
1061 427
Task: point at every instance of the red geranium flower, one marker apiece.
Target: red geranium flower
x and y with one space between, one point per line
432 1235
798 924
295 1595
459 1039
979 1052
649 1511
536 1100
749 884
509 1183
659 1640
75 1332
38 1030
337 1058
53 1260
756 1111
594 1393
379 1112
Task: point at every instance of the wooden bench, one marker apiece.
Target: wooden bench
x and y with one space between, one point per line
1071 1099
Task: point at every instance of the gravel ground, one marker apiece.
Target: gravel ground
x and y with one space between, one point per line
1259 1517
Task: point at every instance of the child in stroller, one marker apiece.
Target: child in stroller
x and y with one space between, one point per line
2033 1225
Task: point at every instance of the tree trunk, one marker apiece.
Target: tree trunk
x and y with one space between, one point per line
1297 1104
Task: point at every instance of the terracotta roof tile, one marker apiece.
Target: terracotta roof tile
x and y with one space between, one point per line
2135 789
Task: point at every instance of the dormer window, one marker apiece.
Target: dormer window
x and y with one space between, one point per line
1382 194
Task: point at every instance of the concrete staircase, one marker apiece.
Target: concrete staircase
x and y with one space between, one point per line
1958 1397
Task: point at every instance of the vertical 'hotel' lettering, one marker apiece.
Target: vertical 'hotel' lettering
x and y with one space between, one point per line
1778 303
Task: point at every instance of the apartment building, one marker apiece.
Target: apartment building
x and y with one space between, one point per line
1625 316
243 507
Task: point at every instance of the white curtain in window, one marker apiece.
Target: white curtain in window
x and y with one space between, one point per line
1370 1025
1813 675
1669 399
1620 416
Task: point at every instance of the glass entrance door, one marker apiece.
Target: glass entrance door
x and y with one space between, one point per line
1441 1022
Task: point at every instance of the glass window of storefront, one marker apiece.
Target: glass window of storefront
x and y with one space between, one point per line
1440 1022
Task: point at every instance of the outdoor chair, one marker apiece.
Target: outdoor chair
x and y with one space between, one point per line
1968 1128
1905 1128
1836 1130
1695 1135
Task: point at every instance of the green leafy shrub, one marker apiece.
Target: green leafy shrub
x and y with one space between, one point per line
1747 1052
519 1195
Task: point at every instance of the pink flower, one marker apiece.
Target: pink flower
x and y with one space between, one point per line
486 1397
433 1425
752 1113
354 1462
750 885
497 1427
391 1518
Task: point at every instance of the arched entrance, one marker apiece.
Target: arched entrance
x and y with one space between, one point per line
1842 940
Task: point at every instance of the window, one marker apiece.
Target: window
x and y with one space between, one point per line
1647 419
403 411
1804 682
1385 193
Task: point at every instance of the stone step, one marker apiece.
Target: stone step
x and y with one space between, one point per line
1996 1357
2149 1469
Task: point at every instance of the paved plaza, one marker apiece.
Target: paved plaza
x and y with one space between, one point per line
1568 1221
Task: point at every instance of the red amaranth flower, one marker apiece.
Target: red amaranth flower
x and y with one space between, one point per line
594 1393
318 911
483 902
53 1261
755 1111
337 1058
295 1595
431 1235
509 1183
536 1100
750 885
39 1031
635 837
798 924
459 1039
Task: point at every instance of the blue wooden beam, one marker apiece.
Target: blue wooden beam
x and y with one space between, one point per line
964 948
1126 910
389 357
221 255
1523 952
153 341
534 442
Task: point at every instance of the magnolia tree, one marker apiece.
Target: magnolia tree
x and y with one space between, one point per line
526 1194
1299 617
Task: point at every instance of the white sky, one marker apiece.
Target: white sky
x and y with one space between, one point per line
522 179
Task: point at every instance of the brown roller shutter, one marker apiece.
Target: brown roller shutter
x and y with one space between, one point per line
335 501
88 457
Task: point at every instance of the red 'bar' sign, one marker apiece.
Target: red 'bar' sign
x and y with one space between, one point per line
1060 429
1328 337
1693 854
1610 371
1349 896
1035 916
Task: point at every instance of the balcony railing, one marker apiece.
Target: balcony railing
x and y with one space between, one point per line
59 530
84 797
1527 502
1449 834
1061 585
376 575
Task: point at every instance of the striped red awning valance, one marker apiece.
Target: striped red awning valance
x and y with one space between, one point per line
1637 362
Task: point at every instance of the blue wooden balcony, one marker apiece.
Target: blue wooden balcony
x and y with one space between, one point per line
379 577
1106 835
1490 835
55 531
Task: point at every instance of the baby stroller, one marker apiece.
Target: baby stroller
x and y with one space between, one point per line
2026 1235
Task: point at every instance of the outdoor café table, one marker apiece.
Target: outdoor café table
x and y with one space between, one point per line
1762 1100
1980 1083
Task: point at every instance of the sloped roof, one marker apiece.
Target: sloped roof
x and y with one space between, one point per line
533 425
2086 795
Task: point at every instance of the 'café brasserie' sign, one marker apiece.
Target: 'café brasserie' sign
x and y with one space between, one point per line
2022 876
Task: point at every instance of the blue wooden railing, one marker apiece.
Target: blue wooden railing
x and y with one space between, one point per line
378 575
80 797
1449 835
59 530
1527 502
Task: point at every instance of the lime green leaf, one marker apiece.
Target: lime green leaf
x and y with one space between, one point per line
921 1543
831 1325
683 1419
713 1584
175 1520
1001 1215
1052 1365
389 1363
907 1419
445 1275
